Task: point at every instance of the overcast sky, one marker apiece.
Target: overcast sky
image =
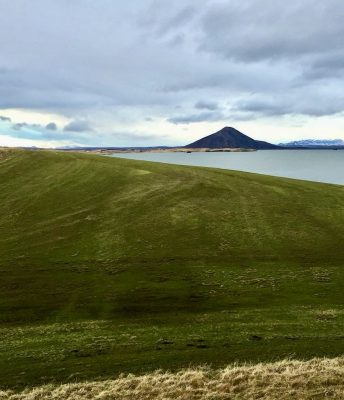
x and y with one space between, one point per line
154 72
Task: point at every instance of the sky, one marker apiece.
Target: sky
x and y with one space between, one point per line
153 72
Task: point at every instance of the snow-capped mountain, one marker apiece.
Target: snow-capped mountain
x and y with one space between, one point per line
314 143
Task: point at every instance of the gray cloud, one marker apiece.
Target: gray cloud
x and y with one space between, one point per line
51 126
5 119
37 132
201 117
20 125
78 126
329 67
290 105
206 105
177 40
159 21
250 31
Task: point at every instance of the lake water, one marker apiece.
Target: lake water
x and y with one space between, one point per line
313 165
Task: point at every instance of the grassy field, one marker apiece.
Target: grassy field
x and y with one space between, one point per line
110 265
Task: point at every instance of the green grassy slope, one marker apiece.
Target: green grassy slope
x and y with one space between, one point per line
111 265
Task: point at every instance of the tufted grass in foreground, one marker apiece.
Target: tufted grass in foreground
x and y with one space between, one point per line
313 379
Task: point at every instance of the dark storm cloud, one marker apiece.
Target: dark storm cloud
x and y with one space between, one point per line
226 58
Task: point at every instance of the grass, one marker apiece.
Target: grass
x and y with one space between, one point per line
313 379
110 265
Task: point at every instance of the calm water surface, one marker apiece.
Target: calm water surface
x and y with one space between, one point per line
313 165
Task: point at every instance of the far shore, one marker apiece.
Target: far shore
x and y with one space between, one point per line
164 150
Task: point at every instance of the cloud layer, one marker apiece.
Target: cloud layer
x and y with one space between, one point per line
148 69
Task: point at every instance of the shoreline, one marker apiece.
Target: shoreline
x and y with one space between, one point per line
169 150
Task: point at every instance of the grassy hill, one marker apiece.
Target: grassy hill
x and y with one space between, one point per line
110 265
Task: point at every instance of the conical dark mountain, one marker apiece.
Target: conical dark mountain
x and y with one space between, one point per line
230 138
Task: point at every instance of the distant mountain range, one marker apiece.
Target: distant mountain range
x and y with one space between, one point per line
230 138
314 143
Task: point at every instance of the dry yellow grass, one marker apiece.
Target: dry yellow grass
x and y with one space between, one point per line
314 379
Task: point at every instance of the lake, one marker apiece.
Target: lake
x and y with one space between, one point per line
313 165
